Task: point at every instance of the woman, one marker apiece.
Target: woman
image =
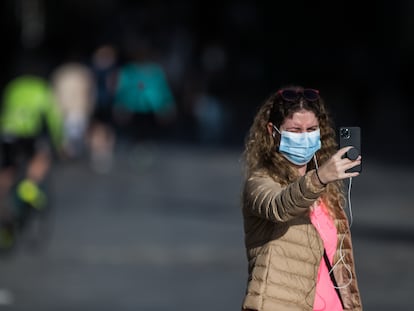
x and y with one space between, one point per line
294 223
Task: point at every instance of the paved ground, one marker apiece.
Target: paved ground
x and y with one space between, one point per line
163 232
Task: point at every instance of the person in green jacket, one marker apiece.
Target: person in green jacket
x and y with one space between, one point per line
30 130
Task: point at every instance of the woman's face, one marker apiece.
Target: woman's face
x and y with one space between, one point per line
301 121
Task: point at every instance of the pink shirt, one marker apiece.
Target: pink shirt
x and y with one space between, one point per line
326 297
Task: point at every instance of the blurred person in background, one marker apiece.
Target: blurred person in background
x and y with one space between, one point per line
144 106
208 107
297 234
206 110
101 136
209 115
74 90
31 131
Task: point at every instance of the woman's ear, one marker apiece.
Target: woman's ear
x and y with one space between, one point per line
270 129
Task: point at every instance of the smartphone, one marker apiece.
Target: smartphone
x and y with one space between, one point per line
351 136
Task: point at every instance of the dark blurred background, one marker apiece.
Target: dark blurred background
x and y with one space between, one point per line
360 55
157 225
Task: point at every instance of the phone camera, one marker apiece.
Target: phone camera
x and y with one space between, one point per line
345 133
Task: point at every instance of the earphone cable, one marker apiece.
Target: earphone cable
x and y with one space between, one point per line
341 253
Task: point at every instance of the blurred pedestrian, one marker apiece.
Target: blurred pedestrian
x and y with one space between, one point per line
73 88
101 136
144 104
31 131
297 234
208 113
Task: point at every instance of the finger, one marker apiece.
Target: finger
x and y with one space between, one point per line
353 174
346 161
346 173
350 164
341 152
344 164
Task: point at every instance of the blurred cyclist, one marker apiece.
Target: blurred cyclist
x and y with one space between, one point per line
30 130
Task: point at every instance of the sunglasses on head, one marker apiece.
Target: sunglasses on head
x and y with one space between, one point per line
292 95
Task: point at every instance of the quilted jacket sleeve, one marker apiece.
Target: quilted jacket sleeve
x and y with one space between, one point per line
265 198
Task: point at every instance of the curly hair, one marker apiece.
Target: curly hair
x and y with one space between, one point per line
261 152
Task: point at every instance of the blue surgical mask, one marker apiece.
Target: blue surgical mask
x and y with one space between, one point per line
299 148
